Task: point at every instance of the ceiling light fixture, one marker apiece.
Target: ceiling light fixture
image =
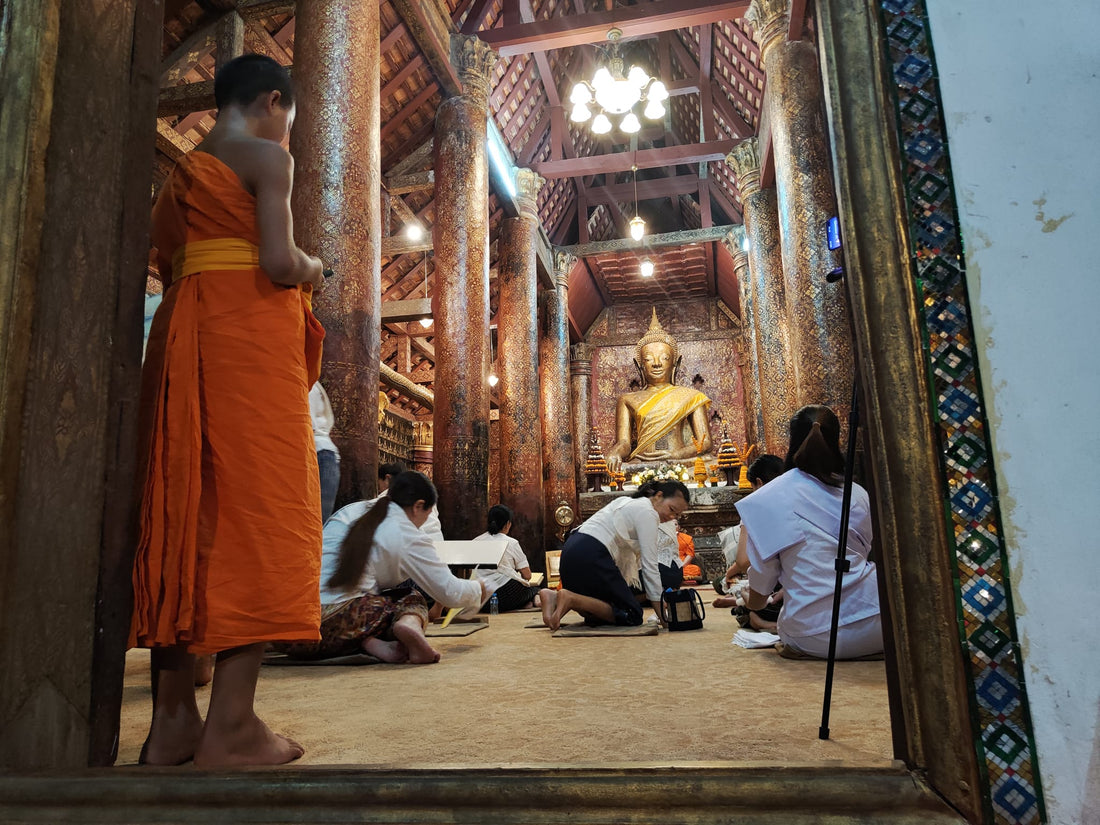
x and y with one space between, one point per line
637 224
646 268
425 322
414 231
614 92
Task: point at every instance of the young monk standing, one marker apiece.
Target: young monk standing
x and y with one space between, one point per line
230 547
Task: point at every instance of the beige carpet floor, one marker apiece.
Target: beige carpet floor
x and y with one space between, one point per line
509 695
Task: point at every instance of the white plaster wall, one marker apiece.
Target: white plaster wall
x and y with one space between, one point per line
1021 93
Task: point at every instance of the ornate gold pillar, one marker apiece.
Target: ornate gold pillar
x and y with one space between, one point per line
460 303
778 396
580 372
560 481
337 216
518 364
821 342
750 367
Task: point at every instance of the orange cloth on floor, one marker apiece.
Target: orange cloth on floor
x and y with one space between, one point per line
230 544
686 549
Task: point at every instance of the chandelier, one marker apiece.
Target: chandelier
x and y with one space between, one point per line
614 92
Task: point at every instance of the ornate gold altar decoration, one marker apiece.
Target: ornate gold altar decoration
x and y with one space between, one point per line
595 467
700 465
383 405
563 517
744 453
661 409
728 458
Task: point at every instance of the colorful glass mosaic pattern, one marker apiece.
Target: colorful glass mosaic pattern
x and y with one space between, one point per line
1006 746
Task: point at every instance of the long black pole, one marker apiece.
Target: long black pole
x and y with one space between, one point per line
842 565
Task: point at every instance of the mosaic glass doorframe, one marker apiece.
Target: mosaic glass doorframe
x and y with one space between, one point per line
1004 736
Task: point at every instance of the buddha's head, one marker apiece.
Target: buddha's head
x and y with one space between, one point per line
657 356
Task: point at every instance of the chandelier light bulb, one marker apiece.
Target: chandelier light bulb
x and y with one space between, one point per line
580 113
646 268
493 380
637 77
630 124
654 110
657 91
600 124
637 228
414 231
580 95
602 79
425 322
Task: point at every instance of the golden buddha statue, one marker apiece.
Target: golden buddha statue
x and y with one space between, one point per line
661 421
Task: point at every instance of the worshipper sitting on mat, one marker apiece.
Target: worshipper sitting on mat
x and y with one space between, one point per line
604 556
790 529
366 604
509 581
766 468
228 554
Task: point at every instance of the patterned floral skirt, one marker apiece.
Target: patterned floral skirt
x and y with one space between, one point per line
346 626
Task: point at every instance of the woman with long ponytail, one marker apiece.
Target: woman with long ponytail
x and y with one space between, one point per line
361 609
616 548
790 529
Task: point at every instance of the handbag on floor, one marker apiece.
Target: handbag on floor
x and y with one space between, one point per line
682 609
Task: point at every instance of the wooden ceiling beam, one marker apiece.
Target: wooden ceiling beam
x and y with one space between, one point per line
728 206
644 158
193 48
432 33
718 97
186 98
639 20
683 238
477 17
412 182
395 34
249 9
647 190
408 109
418 159
395 82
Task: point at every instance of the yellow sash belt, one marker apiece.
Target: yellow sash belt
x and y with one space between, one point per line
216 254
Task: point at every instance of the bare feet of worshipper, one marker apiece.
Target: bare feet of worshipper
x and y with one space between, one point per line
548 599
410 632
725 601
392 652
234 736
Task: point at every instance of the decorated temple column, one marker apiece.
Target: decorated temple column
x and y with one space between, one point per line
778 396
580 372
460 302
337 215
750 367
518 365
817 312
559 473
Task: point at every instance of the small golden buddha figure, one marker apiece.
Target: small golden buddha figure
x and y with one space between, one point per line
661 421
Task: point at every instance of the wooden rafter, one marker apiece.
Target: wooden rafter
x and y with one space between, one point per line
644 158
641 19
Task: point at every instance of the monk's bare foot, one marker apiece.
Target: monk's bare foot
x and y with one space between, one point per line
760 624
411 635
562 605
204 670
725 601
248 743
547 598
393 652
172 740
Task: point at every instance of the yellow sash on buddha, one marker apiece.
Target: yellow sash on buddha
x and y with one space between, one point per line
662 411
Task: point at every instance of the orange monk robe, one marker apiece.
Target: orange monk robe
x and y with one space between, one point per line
230 545
686 549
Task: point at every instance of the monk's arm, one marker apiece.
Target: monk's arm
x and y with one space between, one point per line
621 448
280 257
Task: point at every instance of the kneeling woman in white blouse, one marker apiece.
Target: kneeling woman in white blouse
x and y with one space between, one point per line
604 557
360 609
